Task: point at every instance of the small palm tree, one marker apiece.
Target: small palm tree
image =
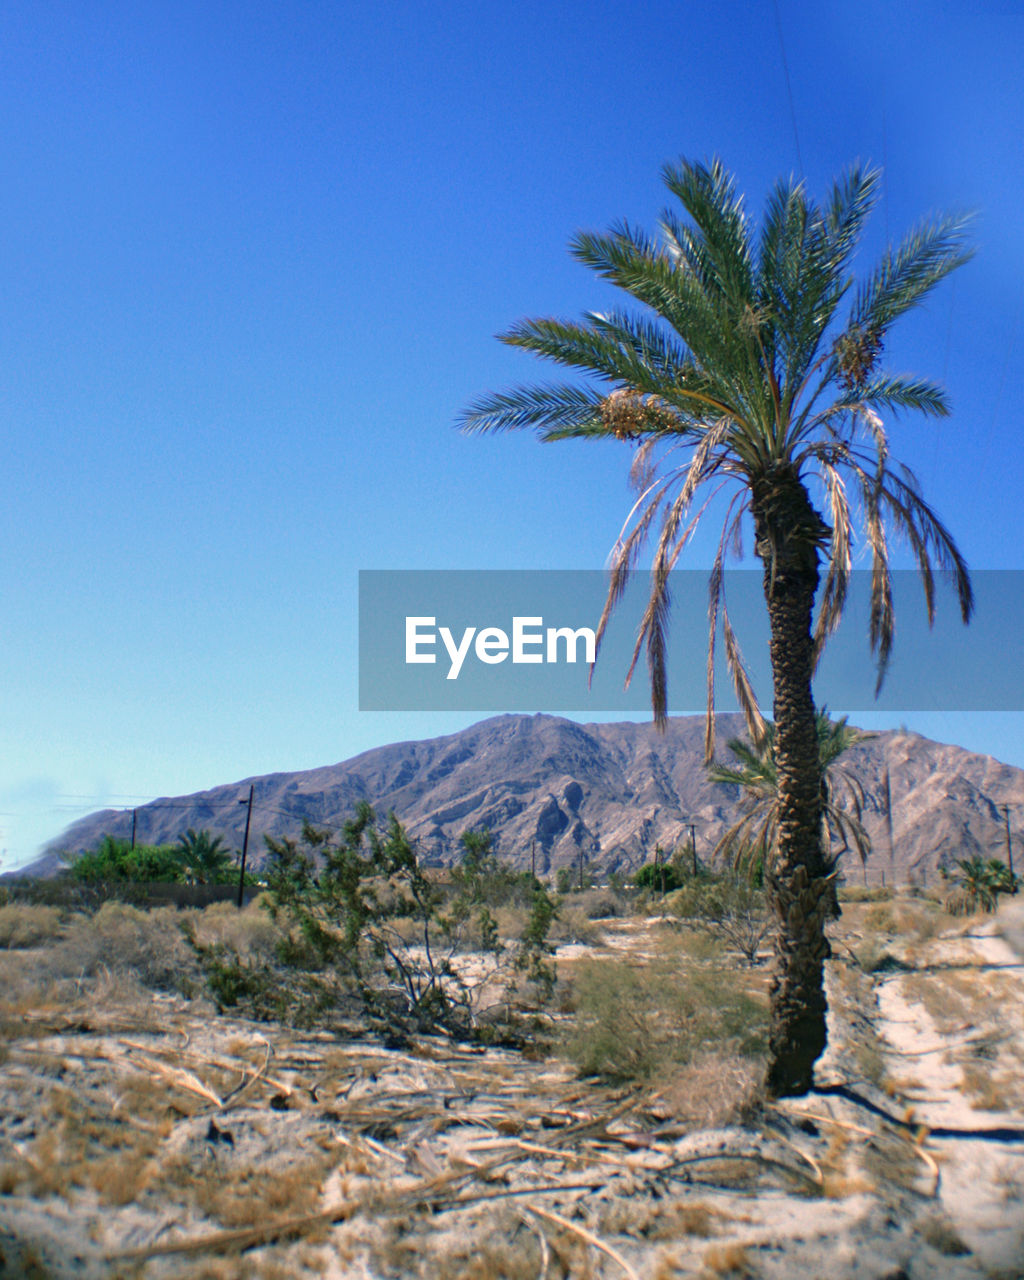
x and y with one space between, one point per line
204 856
754 377
752 842
977 884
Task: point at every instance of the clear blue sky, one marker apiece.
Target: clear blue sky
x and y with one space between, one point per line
254 257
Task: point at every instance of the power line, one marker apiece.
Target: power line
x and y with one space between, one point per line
789 87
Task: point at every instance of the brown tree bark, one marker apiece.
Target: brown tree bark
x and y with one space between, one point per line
790 534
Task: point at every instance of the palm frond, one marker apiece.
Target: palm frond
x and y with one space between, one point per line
571 407
738 356
908 273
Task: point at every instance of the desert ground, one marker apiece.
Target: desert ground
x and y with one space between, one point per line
144 1134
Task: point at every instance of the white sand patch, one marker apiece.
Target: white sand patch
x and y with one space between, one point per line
981 1184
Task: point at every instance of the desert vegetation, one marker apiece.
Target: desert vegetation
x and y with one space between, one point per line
171 1117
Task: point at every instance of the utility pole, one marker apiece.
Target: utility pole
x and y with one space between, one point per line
888 828
1009 843
134 815
693 846
581 871
245 844
533 859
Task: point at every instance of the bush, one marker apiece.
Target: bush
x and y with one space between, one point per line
729 907
122 939
660 877
22 925
637 1023
116 860
360 927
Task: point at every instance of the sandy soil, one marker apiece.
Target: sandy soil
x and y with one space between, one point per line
143 1136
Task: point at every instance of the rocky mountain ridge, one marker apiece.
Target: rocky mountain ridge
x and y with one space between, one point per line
556 790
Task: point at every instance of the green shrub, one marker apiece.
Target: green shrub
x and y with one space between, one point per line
572 880
978 884
362 928
728 906
635 1023
116 860
660 877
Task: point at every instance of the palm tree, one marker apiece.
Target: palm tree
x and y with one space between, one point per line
743 379
752 842
204 856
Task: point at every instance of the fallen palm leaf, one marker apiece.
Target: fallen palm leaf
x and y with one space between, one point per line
585 1235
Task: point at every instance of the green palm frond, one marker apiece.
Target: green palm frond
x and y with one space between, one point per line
572 407
908 273
755 348
752 839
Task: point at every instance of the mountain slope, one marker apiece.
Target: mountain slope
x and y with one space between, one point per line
608 792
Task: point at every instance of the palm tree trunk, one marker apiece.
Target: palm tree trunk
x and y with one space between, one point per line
789 532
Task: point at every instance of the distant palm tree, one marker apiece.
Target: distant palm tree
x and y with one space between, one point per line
977 884
752 842
744 380
204 856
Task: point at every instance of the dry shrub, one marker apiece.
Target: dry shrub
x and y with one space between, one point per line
122 939
573 925
22 925
511 922
635 1023
727 1260
602 904
714 1090
858 893
919 919
250 932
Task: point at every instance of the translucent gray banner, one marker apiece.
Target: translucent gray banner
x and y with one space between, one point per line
521 640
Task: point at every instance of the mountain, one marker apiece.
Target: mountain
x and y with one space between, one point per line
556 789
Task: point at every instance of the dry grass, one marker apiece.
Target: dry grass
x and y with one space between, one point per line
912 919
81 1147
249 1195
508 1249
936 1230
989 1090
664 1220
23 925
122 939
727 1260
